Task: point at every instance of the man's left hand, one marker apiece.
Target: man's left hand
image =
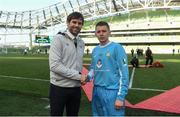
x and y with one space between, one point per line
118 104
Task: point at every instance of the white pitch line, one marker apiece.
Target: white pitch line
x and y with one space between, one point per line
47 107
132 77
24 78
36 79
47 99
146 89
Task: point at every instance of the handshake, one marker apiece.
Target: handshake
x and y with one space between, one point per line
88 77
84 79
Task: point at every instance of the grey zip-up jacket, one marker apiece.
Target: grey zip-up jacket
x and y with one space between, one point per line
65 61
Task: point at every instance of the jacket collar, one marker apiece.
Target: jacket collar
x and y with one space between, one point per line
71 35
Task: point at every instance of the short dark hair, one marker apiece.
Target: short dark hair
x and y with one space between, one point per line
103 23
75 15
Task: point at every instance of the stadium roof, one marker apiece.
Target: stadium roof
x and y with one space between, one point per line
56 13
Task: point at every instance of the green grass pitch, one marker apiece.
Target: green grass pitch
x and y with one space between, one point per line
24 84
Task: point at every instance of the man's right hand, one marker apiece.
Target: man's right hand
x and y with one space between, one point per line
83 79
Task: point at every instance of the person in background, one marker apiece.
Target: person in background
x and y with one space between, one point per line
38 51
65 63
135 62
148 56
45 51
132 52
173 51
87 50
109 69
25 51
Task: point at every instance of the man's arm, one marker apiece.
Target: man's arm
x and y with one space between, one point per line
124 75
91 72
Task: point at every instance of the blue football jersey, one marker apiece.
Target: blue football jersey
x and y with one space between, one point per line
109 68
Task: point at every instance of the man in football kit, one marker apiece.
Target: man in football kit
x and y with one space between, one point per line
110 72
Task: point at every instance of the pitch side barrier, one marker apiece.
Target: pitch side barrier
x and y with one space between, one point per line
135 32
139 43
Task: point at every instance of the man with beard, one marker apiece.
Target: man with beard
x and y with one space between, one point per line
65 63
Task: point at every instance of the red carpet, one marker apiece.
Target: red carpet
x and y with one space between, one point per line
129 104
88 88
168 101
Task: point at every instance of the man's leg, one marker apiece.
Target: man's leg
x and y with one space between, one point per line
137 63
97 107
147 60
151 60
109 104
73 103
57 100
132 63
